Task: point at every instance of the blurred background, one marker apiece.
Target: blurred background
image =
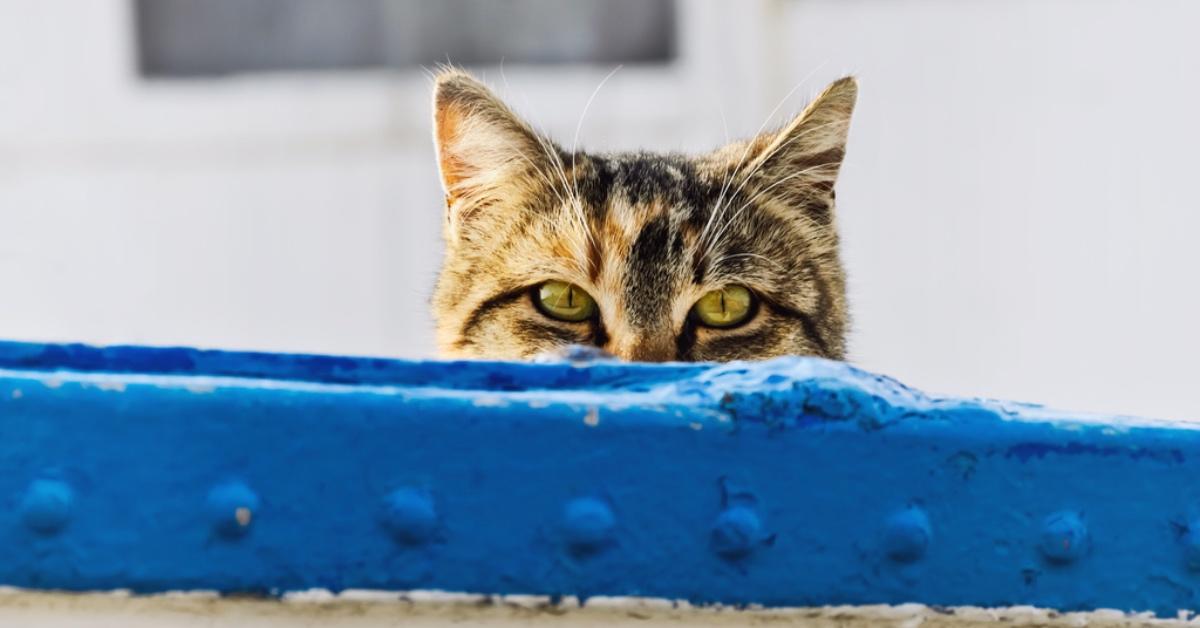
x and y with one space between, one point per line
1019 203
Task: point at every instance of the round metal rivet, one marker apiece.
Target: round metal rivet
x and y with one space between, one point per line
907 534
232 507
46 506
1064 537
409 515
588 524
736 531
1191 545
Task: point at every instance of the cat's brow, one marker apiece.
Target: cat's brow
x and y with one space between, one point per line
595 261
481 312
808 324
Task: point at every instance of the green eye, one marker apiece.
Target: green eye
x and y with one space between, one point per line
726 307
564 301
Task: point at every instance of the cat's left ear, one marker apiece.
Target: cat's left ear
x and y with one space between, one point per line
802 160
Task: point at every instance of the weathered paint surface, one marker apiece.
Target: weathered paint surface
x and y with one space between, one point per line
794 482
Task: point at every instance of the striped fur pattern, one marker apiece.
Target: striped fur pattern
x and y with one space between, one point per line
645 235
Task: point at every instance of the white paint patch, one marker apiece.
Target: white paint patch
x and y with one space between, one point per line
429 609
489 401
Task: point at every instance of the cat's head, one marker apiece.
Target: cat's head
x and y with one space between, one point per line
723 256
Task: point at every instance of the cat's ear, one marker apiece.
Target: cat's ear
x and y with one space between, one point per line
485 152
801 162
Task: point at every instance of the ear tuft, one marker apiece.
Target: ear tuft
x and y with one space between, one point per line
840 96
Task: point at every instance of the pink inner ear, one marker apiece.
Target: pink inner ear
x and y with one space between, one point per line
447 121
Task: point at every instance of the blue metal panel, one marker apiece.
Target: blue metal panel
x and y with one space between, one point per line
789 482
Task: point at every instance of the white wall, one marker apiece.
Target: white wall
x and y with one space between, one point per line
1020 208
1017 205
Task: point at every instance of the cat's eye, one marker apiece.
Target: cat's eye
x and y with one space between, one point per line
564 301
727 307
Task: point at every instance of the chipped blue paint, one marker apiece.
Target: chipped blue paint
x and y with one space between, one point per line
784 483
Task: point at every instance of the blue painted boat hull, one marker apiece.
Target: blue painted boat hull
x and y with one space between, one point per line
791 482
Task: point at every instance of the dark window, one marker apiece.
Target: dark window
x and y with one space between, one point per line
213 37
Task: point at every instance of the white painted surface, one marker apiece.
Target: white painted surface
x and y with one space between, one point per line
1017 206
377 610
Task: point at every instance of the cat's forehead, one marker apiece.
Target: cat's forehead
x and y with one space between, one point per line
651 182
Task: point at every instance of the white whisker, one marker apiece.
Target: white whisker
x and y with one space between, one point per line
718 206
726 258
557 168
575 147
737 214
588 105
761 161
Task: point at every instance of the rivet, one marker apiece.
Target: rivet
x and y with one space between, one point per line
588 524
409 515
736 531
46 506
1064 537
907 534
231 508
1191 545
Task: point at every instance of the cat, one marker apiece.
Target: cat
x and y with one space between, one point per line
730 255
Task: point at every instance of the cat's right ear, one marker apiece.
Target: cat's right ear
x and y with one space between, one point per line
486 154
